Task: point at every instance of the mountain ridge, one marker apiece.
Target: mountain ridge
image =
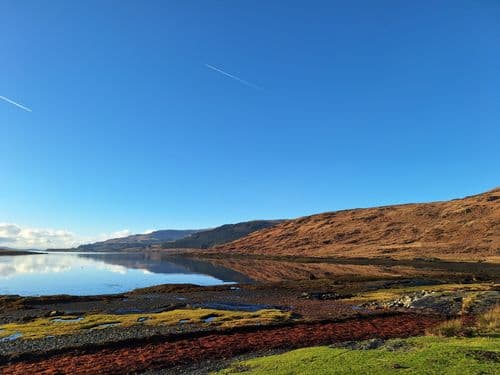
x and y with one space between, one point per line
138 241
219 235
178 239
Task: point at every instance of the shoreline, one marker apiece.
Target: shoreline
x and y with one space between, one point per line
308 312
20 252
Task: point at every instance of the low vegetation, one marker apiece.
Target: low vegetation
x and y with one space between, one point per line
389 294
55 326
421 355
487 324
453 347
450 328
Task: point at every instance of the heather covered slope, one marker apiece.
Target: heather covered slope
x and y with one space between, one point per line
460 229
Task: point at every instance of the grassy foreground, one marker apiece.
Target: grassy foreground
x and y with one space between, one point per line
420 355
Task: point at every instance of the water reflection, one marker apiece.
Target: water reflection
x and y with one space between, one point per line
88 274
280 270
50 264
106 273
273 271
156 262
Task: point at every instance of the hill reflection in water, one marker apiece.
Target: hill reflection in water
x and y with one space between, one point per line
106 273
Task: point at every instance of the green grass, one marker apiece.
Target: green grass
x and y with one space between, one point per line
425 355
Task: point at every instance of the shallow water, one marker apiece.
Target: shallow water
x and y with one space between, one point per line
104 273
67 320
12 337
105 325
233 306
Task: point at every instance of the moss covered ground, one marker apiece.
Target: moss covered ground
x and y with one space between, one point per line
393 293
54 326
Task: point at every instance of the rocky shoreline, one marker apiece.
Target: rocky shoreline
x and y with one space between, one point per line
308 312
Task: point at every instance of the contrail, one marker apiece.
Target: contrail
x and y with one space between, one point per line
233 77
16 104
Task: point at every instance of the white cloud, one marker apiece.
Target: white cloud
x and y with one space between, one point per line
13 235
105 236
149 231
16 236
8 231
117 234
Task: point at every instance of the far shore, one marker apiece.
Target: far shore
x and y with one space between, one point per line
9 252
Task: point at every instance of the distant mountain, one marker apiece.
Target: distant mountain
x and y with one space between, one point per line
137 241
163 262
178 239
459 229
220 235
5 248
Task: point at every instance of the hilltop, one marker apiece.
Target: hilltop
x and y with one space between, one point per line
180 239
459 229
220 235
137 241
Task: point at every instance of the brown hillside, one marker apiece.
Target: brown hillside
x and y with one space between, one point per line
460 229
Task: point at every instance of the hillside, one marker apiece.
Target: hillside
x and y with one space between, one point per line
460 229
137 241
220 235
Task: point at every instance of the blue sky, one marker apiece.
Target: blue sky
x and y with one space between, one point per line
360 103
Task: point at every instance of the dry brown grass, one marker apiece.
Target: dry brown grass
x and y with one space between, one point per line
450 328
489 322
465 229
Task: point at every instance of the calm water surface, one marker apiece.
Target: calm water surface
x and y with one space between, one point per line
103 273
106 273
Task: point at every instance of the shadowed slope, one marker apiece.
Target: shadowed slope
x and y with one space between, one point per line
137 241
216 236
